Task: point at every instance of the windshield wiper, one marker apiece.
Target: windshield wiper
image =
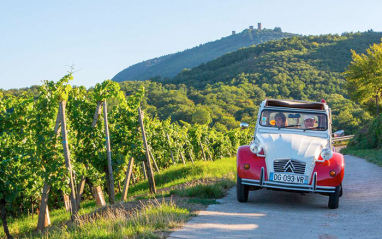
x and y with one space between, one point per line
315 128
295 125
289 126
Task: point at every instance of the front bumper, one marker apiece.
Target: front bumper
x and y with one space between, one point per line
289 186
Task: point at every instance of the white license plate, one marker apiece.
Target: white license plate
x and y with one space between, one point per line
288 178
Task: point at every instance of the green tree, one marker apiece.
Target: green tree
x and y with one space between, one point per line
364 75
201 115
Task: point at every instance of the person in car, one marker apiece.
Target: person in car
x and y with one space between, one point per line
280 120
309 121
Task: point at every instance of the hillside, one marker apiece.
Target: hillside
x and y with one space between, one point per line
312 61
228 90
170 65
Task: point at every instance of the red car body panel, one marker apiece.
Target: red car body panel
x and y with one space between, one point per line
245 155
336 163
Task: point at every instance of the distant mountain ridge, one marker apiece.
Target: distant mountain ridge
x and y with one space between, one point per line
169 66
316 60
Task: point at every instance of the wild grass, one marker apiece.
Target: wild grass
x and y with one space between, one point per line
142 222
26 224
180 174
371 155
203 171
207 190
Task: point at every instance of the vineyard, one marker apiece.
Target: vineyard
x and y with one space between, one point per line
53 144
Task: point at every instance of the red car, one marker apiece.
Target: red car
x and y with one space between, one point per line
292 151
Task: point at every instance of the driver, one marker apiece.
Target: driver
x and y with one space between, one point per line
309 121
280 120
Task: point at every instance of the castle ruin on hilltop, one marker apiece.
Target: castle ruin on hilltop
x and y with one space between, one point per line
259 28
251 28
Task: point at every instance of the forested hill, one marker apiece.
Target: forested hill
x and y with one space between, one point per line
172 64
226 91
297 67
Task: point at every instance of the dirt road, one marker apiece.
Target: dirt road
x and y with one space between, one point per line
274 214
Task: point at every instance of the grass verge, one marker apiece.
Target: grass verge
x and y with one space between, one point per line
201 180
144 221
181 174
371 155
206 190
25 225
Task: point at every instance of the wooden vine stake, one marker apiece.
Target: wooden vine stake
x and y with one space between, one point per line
67 160
127 179
189 154
96 114
150 174
169 144
108 149
97 190
144 170
97 193
43 216
209 154
109 173
80 190
181 155
68 205
204 155
152 157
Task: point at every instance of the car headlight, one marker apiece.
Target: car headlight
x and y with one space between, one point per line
255 147
326 154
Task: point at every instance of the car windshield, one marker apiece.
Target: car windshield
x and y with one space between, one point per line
294 120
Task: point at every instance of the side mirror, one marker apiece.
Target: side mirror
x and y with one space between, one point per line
243 125
339 133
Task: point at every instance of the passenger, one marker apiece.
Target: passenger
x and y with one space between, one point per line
280 120
309 121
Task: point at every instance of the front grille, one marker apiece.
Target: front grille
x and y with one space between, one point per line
289 166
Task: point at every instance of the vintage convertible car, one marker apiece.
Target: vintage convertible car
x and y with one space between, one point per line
292 151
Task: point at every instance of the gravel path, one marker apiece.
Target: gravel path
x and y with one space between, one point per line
276 214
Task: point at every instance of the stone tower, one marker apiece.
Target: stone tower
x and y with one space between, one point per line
259 26
233 33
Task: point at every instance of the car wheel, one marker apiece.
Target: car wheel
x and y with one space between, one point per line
241 191
342 191
334 198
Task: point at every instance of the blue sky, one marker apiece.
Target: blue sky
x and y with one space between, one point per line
41 40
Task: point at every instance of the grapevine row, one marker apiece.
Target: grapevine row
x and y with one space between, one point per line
32 144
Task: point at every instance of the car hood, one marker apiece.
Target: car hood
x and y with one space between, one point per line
292 146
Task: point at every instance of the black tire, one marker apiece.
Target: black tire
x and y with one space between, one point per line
241 191
342 190
334 198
